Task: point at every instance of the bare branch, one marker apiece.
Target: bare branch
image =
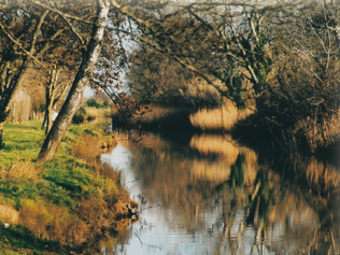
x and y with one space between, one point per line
36 32
47 7
79 37
11 38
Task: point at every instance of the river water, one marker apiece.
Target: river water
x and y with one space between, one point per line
211 195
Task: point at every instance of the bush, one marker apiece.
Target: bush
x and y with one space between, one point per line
78 119
93 103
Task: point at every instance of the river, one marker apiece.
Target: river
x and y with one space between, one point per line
211 195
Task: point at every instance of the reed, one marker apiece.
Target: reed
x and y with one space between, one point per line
224 117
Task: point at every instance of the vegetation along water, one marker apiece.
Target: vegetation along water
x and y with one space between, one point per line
235 102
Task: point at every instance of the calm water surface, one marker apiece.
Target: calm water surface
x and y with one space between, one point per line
213 196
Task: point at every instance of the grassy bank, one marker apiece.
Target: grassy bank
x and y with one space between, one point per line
63 205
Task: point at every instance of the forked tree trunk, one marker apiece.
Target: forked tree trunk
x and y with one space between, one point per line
48 116
75 95
50 97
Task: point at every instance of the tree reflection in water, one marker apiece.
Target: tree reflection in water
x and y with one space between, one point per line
216 198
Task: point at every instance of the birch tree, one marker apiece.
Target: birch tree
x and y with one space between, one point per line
73 101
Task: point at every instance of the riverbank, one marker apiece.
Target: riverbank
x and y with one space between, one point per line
61 206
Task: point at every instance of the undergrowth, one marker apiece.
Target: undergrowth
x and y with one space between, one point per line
63 205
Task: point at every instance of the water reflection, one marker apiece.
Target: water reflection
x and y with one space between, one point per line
212 196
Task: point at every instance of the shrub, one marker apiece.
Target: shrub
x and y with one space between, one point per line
77 119
93 103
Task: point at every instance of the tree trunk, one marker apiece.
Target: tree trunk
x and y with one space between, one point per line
14 69
49 115
9 89
75 95
50 96
1 130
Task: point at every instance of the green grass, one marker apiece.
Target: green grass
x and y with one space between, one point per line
22 142
64 182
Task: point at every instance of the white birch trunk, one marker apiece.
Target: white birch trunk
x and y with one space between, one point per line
75 95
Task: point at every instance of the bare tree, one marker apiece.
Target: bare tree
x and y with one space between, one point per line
55 91
29 33
19 49
241 44
75 95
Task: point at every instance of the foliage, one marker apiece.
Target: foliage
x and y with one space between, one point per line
77 119
242 45
94 103
302 98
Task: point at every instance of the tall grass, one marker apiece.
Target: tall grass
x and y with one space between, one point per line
323 176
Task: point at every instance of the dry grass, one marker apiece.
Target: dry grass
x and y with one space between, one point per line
219 118
320 134
82 224
97 115
53 223
323 174
108 172
21 170
65 201
90 147
334 125
8 214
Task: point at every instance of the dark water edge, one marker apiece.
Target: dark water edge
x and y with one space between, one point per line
289 161
252 132
270 141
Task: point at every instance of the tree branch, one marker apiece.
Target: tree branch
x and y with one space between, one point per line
11 38
79 37
47 7
36 32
